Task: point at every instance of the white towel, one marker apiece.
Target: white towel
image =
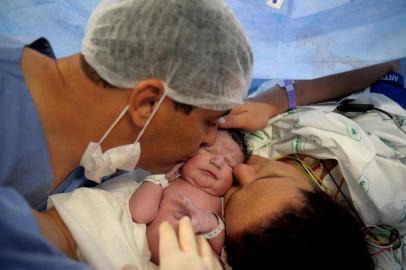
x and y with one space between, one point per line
101 224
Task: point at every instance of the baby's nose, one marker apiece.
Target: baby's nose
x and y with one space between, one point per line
218 161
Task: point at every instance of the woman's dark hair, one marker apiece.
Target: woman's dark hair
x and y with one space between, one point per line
317 233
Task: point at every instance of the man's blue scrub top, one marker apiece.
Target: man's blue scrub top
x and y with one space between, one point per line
21 245
25 170
24 157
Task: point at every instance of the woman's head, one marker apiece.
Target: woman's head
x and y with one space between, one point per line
262 197
281 221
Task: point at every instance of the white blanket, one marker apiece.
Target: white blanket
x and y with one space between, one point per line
101 224
370 151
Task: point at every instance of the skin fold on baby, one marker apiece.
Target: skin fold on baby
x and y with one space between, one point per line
197 193
172 209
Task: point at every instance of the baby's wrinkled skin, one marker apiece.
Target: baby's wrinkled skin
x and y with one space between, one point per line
171 204
204 179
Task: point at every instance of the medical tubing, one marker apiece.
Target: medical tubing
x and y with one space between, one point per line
391 117
315 181
345 197
346 106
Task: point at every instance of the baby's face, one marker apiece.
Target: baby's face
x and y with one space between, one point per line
211 169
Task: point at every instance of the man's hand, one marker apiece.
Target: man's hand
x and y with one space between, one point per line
191 252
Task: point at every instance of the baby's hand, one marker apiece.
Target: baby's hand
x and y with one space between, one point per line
203 221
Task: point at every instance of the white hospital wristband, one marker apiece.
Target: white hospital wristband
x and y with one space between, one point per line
157 179
214 233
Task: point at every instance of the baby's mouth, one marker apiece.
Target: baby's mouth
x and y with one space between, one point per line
209 173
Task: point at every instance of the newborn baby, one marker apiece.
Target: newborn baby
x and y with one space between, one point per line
197 192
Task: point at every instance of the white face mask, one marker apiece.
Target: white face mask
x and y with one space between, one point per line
125 157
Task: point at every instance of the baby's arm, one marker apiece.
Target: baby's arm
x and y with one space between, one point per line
216 242
205 222
144 202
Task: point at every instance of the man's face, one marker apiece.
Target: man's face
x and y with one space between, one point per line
175 136
211 169
264 191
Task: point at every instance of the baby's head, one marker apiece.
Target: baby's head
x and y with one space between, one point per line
211 169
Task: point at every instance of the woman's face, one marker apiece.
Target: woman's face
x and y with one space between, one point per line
266 187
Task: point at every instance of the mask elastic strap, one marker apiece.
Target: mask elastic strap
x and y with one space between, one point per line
157 105
125 110
114 124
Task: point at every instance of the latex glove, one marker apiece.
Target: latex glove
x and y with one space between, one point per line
191 252
129 267
203 221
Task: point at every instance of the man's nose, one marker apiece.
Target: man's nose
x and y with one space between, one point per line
210 136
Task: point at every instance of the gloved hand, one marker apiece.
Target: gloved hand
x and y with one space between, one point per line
202 220
190 253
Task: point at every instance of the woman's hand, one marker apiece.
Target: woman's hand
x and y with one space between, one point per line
255 112
189 252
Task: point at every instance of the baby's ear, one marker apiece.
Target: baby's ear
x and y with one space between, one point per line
143 99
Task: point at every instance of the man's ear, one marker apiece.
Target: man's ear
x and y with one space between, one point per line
143 99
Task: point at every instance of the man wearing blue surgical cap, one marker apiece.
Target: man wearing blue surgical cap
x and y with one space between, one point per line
151 81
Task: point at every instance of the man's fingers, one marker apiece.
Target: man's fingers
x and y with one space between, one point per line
168 242
187 238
